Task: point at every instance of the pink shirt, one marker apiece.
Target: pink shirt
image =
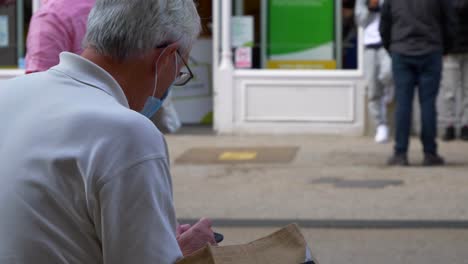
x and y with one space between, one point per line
59 25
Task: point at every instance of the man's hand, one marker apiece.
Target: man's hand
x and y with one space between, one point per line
193 238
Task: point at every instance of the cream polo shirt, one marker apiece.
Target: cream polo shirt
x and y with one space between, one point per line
83 179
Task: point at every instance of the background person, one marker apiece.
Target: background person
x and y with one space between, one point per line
377 65
455 78
417 33
58 25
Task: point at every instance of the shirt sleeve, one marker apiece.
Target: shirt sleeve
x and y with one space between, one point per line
362 13
48 36
135 217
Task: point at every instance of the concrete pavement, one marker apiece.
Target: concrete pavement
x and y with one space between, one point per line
337 178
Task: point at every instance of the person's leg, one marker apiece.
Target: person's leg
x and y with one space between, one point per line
430 71
404 73
373 89
386 76
450 82
464 97
385 86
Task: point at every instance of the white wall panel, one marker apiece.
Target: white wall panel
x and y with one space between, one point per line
279 104
298 102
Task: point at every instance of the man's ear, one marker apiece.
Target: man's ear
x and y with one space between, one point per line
163 55
170 53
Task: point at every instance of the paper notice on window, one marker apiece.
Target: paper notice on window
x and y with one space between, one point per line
243 58
242 34
4 34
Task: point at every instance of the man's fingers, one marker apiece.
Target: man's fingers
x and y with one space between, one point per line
185 227
205 222
204 227
182 229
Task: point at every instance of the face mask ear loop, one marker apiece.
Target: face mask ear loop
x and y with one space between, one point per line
176 67
156 74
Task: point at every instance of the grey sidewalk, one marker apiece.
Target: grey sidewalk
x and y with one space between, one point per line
331 178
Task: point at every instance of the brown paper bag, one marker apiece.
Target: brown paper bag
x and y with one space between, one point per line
286 246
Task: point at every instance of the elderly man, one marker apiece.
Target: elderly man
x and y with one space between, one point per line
84 174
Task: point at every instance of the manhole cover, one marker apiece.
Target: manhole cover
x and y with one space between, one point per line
238 155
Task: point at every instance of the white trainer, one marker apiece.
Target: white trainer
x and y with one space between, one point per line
382 135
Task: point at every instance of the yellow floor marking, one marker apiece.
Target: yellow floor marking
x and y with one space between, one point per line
236 156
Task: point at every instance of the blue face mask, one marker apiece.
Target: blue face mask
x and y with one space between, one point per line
153 104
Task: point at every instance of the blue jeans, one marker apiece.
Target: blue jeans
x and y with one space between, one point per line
409 72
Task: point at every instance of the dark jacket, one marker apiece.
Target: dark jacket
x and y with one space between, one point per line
418 27
461 9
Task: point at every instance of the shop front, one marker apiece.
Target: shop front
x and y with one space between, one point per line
287 66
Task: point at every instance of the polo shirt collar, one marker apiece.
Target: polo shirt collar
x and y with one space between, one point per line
86 72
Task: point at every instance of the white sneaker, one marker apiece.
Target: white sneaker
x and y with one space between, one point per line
382 135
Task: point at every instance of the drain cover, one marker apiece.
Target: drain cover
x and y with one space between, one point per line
238 155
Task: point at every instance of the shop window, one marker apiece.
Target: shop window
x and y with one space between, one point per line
294 34
15 16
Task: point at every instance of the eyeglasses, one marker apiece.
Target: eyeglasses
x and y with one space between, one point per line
184 76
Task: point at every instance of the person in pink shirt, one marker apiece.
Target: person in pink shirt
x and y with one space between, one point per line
59 25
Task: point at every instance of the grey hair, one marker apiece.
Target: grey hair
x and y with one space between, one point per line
130 28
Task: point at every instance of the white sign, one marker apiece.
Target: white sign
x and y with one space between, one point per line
4 32
242 31
243 58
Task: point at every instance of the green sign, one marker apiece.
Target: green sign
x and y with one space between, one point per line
301 31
